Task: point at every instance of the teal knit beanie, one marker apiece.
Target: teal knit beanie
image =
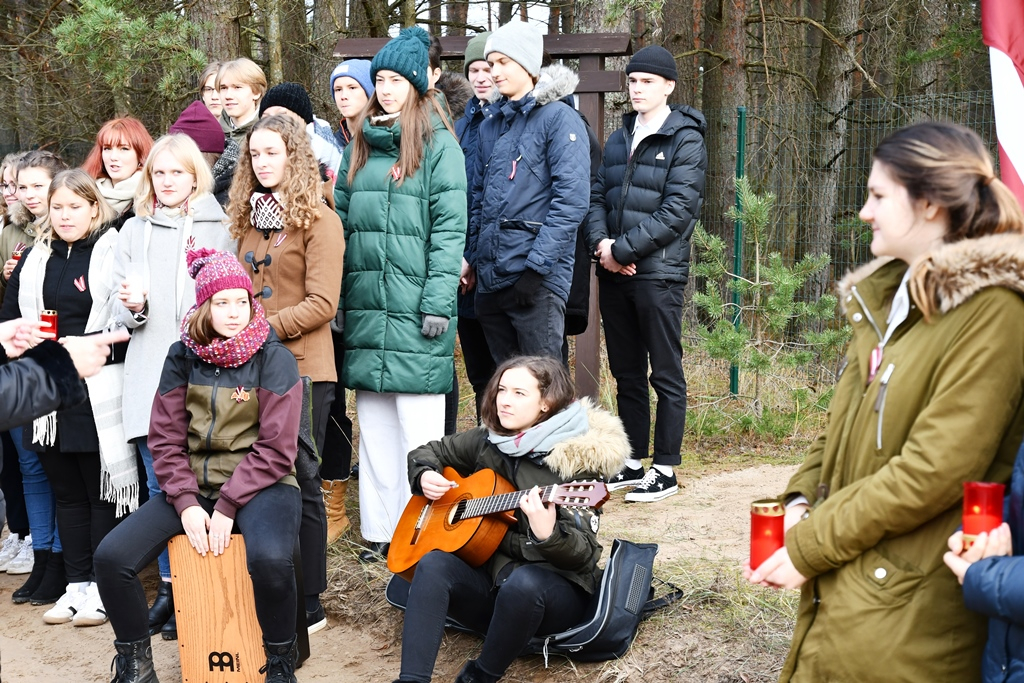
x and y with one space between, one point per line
406 54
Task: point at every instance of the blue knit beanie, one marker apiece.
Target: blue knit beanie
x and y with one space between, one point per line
356 69
406 55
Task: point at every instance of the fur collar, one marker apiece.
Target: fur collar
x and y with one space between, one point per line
602 450
959 270
556 81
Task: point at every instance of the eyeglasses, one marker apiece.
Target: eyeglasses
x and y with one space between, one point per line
10 188
207 90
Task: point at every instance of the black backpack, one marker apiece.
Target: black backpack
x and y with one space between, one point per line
623 599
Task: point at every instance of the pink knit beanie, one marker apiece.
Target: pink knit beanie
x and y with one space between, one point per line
215 271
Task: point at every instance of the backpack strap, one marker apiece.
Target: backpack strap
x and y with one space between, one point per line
654 604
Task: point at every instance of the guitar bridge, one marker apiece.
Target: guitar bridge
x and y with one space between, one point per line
420 522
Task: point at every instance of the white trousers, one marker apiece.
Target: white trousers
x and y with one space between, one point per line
391 425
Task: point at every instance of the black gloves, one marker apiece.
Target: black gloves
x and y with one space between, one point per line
525 288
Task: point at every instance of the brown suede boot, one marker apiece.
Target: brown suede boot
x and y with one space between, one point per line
334 501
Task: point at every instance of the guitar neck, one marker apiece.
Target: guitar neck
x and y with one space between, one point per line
478 507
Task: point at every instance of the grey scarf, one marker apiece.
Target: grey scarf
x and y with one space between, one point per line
542 437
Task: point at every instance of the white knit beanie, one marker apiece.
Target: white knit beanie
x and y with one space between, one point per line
521 43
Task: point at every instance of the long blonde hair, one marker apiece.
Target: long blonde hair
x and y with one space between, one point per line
83 185
301 190
186 152
417 128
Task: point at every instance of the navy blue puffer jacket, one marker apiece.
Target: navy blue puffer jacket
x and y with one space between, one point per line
649 202
995 587
531 189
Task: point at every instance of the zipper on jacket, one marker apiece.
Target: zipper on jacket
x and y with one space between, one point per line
880 401
867 313
213 423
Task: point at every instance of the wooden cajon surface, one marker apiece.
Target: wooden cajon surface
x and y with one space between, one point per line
219 639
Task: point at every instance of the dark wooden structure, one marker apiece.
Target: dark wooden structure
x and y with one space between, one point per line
591 49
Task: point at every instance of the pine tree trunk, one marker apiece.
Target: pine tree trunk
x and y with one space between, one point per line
328 27
458 15
222 37
296 65
275 59
826 151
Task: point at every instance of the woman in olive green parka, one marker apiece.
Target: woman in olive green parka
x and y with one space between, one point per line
401 195
930 396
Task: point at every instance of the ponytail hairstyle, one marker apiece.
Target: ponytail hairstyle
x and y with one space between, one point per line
37 158
301 190
123 131
417 126
552 377
83 185
949 166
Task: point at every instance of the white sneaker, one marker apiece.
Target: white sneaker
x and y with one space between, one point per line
26 558
92 612
67 606
9 550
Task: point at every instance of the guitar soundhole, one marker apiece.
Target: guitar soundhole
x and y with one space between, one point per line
458 512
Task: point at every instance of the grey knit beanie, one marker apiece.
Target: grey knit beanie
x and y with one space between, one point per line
521 43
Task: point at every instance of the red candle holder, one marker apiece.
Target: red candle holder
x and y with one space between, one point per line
983 509
49 316
16 255
767 529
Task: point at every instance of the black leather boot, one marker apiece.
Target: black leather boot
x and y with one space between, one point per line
162 609
280 666
472 673
133 662
55 581
170 628
24 594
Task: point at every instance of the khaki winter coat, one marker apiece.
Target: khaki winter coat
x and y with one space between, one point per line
20 231
572 550
886 478
300 287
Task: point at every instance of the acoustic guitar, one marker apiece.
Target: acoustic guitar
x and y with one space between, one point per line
471 519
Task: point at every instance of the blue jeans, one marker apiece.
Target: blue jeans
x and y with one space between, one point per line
163 562
39 500
269 523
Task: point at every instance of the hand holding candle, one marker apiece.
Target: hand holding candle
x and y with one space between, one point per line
49 317
983 509
767 534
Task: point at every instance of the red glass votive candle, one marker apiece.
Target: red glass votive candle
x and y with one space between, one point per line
49 316
767 531
983 508
16 255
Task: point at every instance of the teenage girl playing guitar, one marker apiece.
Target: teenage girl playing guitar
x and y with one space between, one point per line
534 434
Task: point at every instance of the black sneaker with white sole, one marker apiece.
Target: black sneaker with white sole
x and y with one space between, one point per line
627 477
654 486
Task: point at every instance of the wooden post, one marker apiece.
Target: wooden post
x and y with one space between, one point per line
590 49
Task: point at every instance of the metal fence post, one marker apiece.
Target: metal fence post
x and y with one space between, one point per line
737 237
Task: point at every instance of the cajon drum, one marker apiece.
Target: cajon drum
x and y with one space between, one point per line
219 639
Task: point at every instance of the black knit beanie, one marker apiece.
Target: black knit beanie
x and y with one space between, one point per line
291 96
656 60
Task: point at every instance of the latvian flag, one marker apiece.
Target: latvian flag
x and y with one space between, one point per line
1002 27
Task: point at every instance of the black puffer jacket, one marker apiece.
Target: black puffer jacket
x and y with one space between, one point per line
649 202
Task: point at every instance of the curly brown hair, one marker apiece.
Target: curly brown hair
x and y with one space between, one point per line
301 190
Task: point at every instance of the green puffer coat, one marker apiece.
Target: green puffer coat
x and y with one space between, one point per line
403 257
886 478
572 551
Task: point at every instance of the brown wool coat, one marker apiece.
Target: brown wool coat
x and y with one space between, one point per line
304 278
886 478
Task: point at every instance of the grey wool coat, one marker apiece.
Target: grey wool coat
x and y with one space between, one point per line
159 326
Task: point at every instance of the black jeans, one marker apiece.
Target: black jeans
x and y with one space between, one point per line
83 518
336 454
513 330
12 488
476 354
533 600
643 322
313 529
269 524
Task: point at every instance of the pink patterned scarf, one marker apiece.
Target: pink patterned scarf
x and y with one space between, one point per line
233 352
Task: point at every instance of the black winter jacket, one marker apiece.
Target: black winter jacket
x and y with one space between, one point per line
649 202
42 380
67 270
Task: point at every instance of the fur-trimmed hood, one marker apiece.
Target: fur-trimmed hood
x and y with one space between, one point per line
957 271
603 449
555 82
457 91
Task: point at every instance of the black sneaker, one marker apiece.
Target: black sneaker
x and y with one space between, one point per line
627 477
315 620
654 486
